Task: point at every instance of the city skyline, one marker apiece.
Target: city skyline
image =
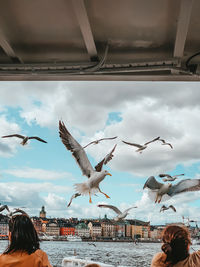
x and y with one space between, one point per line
41 174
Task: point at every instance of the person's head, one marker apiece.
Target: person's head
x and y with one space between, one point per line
176 241
22 235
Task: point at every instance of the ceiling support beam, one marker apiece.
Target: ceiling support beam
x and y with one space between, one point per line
84 24
8 49
182 27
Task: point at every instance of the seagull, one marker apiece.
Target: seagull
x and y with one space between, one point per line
4 207
92 244
185 185
141 147
164 143
121 215
25 138
169 177
163 208
99 140
95 176
72 197
17 211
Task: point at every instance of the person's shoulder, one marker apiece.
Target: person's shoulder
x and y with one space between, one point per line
195 257
158 259
43 256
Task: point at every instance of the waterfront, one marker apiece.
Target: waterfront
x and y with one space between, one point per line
115 253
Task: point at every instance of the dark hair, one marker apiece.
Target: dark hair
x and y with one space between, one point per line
23 235
176 240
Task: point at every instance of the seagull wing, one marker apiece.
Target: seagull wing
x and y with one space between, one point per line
76 149
104 161
186 185
14 135
164 175
132 144
110 207
155 139
93 142
72 197
172 207
129 209
37 138
107 138
4 207
178 175
152 183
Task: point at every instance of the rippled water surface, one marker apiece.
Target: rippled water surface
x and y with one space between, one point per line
114 253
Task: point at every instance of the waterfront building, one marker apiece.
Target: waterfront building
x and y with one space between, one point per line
66 228
82 230
95 229
3 226
37 222
140 229
52 229
120 229
42 213
128 229
108 228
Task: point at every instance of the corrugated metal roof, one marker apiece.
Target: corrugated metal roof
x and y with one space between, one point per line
99 39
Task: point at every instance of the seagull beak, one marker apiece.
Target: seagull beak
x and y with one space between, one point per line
109 174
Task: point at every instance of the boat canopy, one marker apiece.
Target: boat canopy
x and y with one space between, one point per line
103 40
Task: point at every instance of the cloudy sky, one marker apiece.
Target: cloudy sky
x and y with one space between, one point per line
44 174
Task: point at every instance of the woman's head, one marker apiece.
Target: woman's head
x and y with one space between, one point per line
23 235
176 241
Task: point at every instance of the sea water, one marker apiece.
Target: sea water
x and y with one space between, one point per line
114 253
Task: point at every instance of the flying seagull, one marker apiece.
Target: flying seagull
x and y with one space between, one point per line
169 177
4 207
165 143
95 176
141 147
25 138
99 140
163 208
17 211
92 244
121 215
72 197
185 185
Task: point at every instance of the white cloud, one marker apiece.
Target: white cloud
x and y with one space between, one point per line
40 174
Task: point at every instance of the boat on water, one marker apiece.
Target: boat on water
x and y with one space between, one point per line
74 238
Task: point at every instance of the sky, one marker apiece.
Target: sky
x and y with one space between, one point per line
40 174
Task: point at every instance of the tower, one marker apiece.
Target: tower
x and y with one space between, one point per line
42 213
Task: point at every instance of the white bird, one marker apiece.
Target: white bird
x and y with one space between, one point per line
165 143
25 138
99 140
141 147
169 177
121 215
95 176
163 208
185 185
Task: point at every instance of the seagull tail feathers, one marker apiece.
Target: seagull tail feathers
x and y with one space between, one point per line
82 189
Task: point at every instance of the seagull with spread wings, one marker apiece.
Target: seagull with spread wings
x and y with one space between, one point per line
169 177
170 190
4 207
165 143
121 215
95 176
25 138
141 147
163 208
99 140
